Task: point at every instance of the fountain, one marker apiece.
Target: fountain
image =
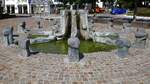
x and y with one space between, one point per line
72 32
72 22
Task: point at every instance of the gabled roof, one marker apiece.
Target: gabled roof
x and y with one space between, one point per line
38 1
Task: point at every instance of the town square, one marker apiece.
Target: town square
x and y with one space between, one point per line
74 42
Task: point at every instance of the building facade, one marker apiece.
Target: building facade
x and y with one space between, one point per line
99 3
38 6
16 6
43 6
29 6
2 6
56 2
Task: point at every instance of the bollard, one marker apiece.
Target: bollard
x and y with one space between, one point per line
123 47
73 51
24 45
141 37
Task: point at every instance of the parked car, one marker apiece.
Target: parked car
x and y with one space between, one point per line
119 11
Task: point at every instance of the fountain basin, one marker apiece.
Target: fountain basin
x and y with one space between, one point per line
105 37
61 47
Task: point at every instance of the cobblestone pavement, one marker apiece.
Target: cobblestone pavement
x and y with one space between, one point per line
94 68
31 23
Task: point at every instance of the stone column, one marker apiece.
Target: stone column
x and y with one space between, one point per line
10 9
84 27
84 19
63 20
22 9
73 51
74 23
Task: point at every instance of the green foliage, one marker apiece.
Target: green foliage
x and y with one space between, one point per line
67 1
143 11
126 3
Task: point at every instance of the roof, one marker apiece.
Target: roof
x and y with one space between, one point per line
38 1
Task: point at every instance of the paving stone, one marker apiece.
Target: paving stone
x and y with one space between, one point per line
99 68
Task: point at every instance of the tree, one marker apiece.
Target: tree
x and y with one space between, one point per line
66 1
135 9
126 3
131 4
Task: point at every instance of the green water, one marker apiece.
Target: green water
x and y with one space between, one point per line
61 47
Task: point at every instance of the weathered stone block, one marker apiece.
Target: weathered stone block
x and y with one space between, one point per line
24 45
22 27
84 18
141 37
8 36
73 51
123 47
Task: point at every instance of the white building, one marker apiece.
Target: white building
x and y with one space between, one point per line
43 6
1 6
38 6
17 6
56 2
28 6
99 3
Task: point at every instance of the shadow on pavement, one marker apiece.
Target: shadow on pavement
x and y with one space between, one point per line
6 16
81 56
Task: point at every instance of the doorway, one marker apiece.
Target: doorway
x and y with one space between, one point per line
12 9
25 9
8 9
19 9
